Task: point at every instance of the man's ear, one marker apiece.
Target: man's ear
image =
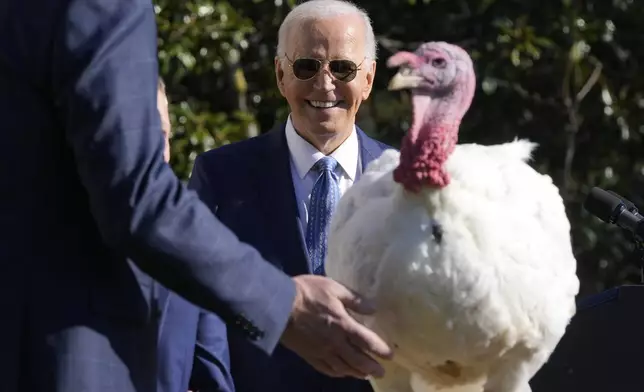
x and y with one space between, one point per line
371 74
279 74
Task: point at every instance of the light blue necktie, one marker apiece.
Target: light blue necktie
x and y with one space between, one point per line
324 198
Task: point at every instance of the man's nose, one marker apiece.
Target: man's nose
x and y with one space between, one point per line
324 79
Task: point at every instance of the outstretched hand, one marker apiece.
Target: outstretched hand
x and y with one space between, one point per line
322 332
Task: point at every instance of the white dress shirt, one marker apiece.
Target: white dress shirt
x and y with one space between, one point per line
304 156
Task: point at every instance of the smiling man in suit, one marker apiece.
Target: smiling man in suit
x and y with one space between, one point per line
282 187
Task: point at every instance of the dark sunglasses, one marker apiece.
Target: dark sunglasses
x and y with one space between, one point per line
306 69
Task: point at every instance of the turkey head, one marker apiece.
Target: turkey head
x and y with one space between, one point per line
441 79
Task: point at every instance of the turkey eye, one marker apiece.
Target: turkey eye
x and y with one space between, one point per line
439 62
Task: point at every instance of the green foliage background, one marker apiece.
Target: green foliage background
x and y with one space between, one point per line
562 73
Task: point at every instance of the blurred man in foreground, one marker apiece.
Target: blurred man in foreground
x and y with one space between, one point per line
86 187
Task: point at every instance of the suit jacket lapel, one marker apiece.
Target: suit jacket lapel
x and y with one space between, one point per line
369 148
277 198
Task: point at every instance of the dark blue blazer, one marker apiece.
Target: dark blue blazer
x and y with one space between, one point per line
84 187
258 203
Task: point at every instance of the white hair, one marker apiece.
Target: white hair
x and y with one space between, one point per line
322 9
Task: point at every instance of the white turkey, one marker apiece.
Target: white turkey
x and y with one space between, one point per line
465 248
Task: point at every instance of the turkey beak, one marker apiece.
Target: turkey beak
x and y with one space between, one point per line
404 79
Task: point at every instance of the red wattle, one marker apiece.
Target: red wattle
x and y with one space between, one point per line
422 160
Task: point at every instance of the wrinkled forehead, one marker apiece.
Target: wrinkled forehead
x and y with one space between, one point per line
335 37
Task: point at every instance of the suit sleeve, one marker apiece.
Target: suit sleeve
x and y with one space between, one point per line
211 366
104 76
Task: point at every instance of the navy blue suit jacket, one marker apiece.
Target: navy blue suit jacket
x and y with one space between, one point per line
84 186
258 203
